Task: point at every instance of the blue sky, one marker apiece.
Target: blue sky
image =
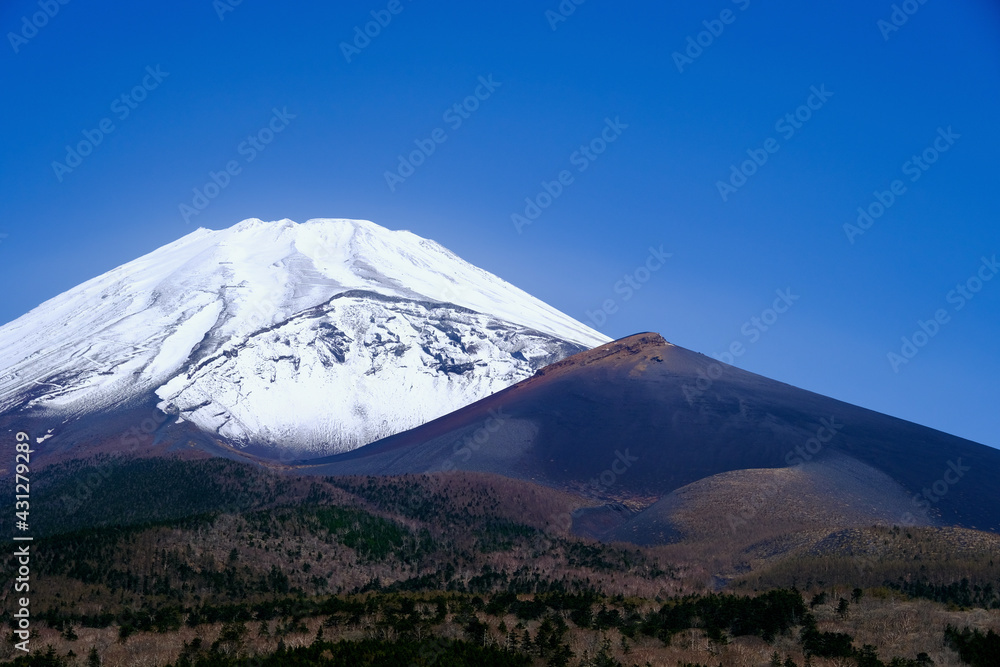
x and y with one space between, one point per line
209 85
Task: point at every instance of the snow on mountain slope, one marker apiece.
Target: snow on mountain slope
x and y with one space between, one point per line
362 366
323 335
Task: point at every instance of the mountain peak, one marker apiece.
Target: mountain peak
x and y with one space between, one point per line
256 223
636 423
648 344
349 223
324 335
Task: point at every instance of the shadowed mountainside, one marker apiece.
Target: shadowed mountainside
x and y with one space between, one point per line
632 421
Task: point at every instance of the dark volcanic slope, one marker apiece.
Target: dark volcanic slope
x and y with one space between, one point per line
639 418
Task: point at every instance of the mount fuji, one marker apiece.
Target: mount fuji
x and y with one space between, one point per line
272 338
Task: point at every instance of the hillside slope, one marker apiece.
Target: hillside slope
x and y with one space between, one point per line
632 421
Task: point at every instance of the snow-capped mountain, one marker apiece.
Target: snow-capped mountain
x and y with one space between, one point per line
319 336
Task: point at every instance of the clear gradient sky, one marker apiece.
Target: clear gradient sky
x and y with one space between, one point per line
865 98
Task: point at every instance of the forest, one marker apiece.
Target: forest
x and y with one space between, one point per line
213 562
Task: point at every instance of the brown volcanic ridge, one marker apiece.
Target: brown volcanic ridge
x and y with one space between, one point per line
665 444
